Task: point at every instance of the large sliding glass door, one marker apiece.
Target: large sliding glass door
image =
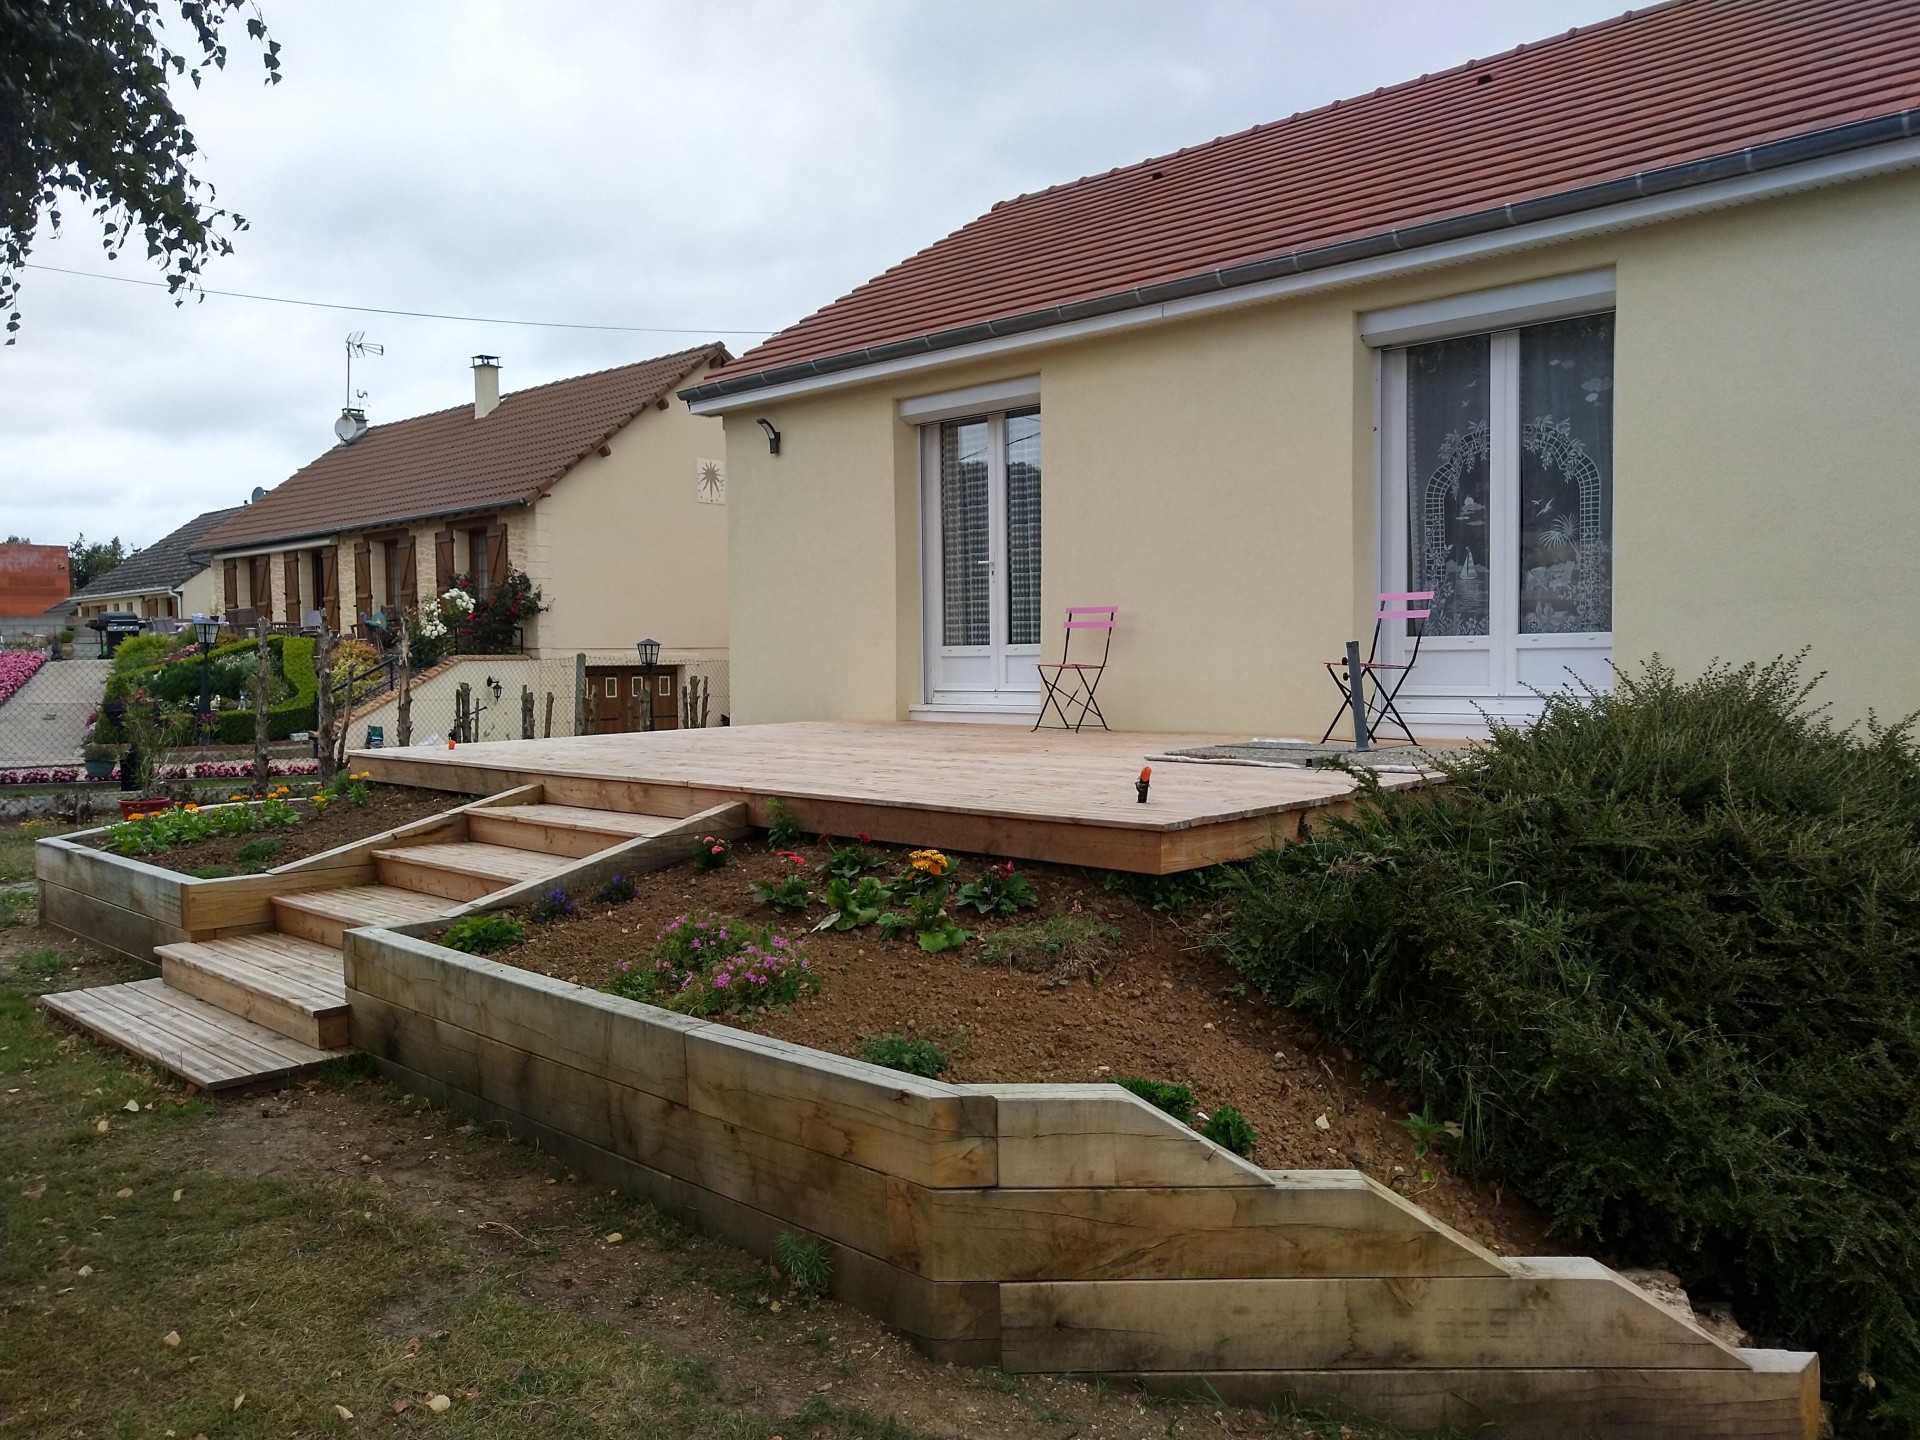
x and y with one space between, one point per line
981 509
1498 459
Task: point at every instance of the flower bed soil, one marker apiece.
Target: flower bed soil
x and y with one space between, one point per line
1162 1008
339 823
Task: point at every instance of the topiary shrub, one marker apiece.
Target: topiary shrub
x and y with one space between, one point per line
1660 955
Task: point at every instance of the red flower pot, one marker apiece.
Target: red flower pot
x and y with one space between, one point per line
131 806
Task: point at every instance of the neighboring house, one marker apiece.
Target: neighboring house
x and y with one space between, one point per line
598 489
1608 340
162 581
33 578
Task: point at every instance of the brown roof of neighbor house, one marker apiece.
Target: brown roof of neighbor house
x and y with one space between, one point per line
162 565
449 462
1582 118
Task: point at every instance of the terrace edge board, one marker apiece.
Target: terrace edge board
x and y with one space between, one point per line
1136 847
1060 1227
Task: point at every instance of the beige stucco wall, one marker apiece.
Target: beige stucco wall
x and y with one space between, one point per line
1216 479
622 549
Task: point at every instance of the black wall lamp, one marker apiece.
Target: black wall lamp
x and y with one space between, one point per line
773 436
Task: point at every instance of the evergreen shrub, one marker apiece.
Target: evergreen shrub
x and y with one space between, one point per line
1660 956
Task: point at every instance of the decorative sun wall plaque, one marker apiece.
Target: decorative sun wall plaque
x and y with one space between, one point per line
710 484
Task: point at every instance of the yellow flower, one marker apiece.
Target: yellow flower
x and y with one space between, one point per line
929 862
236 797
192 808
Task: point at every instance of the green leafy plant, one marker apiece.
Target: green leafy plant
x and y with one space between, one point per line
926 919
1429 1137
163 828
906 1053
616 890
850 862
258 854
16 906
1227 1126
711 852
705 965
784 832
805 1263
354 787
854 905
1176 1100
789 890
1003 890
1061 945
484 934
1658 952
553 906
1171 894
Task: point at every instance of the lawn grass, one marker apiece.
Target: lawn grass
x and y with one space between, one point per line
287 1299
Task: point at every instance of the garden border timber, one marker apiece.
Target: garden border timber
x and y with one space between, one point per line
132 907
1059 1227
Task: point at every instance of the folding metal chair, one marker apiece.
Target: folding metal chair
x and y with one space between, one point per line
1390 606
1070 684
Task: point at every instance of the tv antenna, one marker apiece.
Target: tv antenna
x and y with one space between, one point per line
358 348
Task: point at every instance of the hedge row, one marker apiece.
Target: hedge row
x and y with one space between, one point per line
178 681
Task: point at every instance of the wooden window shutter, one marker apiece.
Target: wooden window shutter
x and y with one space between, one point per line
260 586
496 553
409 587
233 584
330 586
290 572
362 579
443 561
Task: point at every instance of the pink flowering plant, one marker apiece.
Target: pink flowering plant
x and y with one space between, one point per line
16 668
704 965
711 852
790 890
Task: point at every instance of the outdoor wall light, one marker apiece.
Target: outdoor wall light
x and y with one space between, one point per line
773 436
495 686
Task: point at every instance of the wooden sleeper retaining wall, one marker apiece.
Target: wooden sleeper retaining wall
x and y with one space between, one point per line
1050 1228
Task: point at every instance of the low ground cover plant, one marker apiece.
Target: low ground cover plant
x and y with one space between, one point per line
1002 890
850 862
1227 1126
484 934
552 906
805 1263
159 830
791 890
703 965
910 1054
616 890
1063 946
1660 954
1176 1100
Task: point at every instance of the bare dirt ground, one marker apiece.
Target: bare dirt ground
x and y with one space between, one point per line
1158 1005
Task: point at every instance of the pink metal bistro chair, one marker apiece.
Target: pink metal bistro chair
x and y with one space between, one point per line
1070 684
1386 676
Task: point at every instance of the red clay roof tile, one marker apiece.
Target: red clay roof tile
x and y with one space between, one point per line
448 462
1675 84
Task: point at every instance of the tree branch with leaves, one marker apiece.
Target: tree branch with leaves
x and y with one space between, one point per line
87 119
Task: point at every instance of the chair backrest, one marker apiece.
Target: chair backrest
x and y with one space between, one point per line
1390 599
1094 610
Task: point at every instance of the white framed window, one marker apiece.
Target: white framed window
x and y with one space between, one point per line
1497 495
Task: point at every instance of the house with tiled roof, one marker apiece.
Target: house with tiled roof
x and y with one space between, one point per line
163 581
1606 342
607 497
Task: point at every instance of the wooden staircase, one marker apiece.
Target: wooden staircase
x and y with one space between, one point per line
233 1010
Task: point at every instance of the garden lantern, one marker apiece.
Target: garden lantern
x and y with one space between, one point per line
649 659
206 631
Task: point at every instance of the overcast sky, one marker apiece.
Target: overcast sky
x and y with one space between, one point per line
712 167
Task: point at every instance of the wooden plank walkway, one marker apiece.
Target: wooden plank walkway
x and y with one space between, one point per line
1000 790
197 1041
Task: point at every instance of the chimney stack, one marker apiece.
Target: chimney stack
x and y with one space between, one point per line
486 385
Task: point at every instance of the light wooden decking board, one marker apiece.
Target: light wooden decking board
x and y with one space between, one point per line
467 857
309 975
368 904
200 1043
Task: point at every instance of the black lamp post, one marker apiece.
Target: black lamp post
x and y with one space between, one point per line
649 660
206 632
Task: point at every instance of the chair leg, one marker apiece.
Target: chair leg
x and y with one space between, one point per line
1090 704
1346 707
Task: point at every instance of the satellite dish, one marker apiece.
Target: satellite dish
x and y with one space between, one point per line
259 493
351 425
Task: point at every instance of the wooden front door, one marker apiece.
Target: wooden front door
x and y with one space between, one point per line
616 693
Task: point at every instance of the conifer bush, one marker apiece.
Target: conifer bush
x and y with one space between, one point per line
1659 954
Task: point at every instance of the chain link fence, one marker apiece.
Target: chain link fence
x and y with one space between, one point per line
46 706
518 697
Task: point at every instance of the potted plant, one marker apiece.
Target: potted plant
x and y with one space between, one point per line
99 760
155 729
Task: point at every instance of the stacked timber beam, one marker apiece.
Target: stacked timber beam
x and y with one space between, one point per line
1061 1227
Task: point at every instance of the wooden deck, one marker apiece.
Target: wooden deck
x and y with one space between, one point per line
988 789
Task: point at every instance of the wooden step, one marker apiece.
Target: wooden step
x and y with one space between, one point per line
325 916
283 982
193 1039
570 830
463 870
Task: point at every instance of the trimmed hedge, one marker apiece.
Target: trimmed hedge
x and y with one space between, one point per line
178 682
1660 955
